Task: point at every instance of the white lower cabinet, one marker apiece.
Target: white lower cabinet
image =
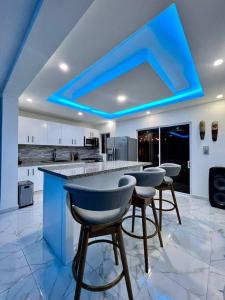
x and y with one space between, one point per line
32 174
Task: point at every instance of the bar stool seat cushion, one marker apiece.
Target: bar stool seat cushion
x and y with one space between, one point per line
167 180
99 217
145 191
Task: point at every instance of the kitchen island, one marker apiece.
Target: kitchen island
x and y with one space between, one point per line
60 231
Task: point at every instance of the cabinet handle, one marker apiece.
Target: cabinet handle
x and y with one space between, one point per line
72 141
32 171
32 139
28 172
59 140
28 138
75 142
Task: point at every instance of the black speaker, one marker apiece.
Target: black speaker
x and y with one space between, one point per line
217 187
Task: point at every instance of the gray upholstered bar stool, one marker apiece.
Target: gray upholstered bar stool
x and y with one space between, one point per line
100 212
143 197
172 170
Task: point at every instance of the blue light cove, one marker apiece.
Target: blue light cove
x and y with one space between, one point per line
162 44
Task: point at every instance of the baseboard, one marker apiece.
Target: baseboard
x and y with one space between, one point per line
200 197
2 211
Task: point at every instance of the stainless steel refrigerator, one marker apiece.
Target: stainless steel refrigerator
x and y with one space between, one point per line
121 148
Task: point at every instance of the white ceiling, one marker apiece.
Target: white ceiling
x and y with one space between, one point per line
12 33
104 25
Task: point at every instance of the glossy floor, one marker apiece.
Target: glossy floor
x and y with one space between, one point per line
190 266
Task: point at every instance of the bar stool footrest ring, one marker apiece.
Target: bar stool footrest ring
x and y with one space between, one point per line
165 209
99 288
135 235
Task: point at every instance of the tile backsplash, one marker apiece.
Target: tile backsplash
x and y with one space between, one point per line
39 153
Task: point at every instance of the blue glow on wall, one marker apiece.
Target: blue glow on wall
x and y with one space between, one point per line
162 44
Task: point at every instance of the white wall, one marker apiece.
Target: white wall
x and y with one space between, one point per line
54 119
9 153
200 164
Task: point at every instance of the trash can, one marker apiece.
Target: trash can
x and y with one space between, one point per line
25 193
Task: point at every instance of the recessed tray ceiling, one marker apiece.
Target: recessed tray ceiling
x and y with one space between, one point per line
162 44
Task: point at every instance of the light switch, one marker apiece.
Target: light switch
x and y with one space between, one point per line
206 150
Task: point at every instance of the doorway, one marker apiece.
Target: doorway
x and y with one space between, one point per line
148 146
169 144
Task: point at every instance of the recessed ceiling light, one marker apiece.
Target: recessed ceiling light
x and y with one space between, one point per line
148 112
64 67
121 98
218 62
220 96
29 100
80 113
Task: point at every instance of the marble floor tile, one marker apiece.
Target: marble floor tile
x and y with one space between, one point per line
24 288
218 244
158 286
38 254
13 267
216 285
180 266
190 266
197 247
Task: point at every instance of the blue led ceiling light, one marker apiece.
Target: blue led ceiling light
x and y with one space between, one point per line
162 44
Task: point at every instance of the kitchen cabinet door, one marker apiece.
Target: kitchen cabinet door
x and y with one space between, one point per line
96 133
67 135
78 134
32 131
24 131
23 173
38 179
31 174
54 133
38 129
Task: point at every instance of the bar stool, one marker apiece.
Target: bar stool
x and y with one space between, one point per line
99 213
143 197
172 170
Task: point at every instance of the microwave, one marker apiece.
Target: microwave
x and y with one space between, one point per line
91 142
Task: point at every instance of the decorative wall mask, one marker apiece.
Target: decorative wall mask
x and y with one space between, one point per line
202 129
214 131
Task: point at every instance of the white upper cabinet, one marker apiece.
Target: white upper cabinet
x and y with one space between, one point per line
90 132
79 133
38 132
54 133
32 131
67 135
72 135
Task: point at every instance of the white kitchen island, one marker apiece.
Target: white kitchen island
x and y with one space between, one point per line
60 231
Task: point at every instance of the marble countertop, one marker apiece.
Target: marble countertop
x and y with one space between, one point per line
46 163
75 170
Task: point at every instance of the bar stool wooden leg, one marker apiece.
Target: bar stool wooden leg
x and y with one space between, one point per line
156 222
175 203
82 260
133 218
114 249
143 211
124 262
79 248
160 209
